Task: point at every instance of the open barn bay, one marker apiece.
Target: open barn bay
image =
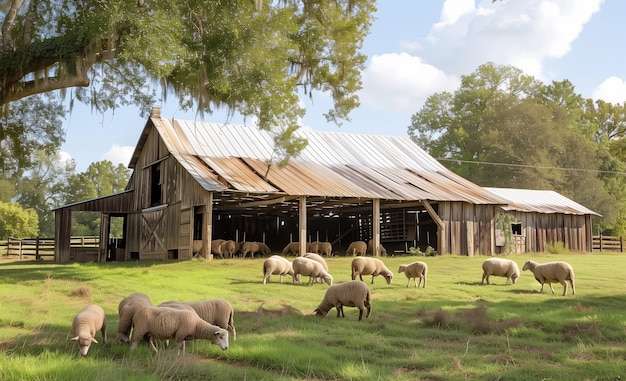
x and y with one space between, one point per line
454 329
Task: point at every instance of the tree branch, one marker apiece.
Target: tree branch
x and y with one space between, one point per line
9 20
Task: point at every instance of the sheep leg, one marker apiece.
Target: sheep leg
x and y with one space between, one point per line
281 278
564 283
372 279
551 288
360 313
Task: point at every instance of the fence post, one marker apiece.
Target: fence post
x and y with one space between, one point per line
37 256
621 244
600 242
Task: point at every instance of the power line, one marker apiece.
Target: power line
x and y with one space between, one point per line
531 166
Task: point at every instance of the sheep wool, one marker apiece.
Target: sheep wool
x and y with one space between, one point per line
276 265
86 323
500 267
126 309
370 266
165 323
552 272
415 270
311 268
218 312
356 248
350 294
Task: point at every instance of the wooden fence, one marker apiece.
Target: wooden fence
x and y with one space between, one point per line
41 248
607 243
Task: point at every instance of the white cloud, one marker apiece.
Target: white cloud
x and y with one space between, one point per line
64 157
401 82
119 154
612 90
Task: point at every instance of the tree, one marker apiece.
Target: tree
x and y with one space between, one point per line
16 221
252 57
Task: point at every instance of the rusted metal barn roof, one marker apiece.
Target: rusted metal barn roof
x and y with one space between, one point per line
539 201
233 158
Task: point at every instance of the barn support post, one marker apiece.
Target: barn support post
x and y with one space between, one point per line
302 224
376 227
442 246
62 233
207 222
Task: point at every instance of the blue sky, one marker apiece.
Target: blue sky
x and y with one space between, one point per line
416 49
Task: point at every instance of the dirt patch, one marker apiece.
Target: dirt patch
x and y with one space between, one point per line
281 312
7 345
81 292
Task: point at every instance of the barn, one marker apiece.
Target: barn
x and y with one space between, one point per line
197 181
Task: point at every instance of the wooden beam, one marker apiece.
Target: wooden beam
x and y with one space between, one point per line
376 227
441 227
207 222
302 225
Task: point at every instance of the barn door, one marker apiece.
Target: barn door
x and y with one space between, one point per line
153 228
185 235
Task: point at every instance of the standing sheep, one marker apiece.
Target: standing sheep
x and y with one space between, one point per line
325 248
216 247
357 248
254 247
415 270
166 323
552 272
350 294
86 323
126 309
276 265
218 312
228 248
370 266
311 268
500 267
293 248
381 249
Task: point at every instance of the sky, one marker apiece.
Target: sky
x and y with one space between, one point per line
416 49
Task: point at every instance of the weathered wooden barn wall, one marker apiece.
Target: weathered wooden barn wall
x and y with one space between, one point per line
539 229
469 228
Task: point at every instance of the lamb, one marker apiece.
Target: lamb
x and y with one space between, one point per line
254 247
370 248
86 323
294 248
218 312
370 266
126 309
351 294
500 267
357 248
276 265
165 323
311 268
415 270
552 272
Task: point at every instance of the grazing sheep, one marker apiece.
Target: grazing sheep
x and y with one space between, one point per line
86 323
276 265
500 267
311 268
325 248
218 312
552 272
294 248
313 247
370 266
216 246
415 270
165 323
254 247
350 294
126 309
357 248
228 248
381 249
320 259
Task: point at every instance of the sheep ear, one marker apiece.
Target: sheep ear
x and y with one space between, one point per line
74 338
217 333
93 339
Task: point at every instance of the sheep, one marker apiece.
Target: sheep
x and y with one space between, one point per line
311 268
370 266
254 247
276 265
216 245
415 270
500 267
357 248
318 258
552 272
351 294
86 323
126 309
381 250
294 248
165 323
325 248
218 312
228 248
313 247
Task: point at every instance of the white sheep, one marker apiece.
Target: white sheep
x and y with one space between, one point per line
552 272
370 266
126 309
276 265
86 323
218 312
165 323
320 259
350 294
415 270
311 268
357 248
500 267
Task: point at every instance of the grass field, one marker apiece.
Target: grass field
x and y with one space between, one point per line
454 329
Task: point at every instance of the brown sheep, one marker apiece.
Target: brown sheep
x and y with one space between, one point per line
357 248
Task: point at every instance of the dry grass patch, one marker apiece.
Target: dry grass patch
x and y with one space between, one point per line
474 318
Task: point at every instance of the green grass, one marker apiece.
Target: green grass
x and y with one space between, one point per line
454 329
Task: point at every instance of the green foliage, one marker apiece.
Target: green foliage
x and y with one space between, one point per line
556 248
17 222
503 224
428 252
454 329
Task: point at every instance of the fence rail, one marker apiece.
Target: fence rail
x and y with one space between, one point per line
607 243
42 247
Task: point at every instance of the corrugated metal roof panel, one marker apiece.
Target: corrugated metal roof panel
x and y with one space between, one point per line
539 201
